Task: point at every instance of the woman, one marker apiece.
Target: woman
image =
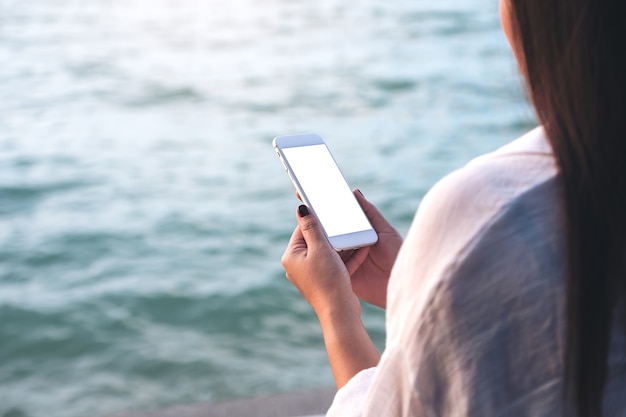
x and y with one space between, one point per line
507 297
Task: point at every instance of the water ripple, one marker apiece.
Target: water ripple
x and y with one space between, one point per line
143 213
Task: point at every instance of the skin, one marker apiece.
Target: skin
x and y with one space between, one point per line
507 23
332 283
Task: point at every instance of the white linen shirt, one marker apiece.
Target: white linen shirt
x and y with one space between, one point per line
475 319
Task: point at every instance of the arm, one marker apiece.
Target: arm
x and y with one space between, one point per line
349 347
320 274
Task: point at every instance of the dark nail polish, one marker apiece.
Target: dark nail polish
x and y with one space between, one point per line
303 210
360 192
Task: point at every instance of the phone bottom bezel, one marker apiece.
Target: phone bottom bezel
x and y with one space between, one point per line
353 240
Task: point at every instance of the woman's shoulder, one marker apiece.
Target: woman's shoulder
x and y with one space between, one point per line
470 212
481 266
491 180
533 143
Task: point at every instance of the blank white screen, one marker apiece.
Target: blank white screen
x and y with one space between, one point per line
326 189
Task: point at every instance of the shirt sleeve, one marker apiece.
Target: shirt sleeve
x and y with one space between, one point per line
349 399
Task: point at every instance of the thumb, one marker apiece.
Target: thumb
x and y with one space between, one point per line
310 227
375 217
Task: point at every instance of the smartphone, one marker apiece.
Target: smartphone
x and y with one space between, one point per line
324 190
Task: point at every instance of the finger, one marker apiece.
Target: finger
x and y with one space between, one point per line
298 195
375 217
346 254
296 241
296 248
310 227
357 259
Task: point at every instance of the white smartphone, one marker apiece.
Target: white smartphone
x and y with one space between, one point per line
324 190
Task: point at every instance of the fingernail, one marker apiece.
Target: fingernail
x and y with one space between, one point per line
360 192
303 210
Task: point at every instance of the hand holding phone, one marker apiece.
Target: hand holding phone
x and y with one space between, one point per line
322 187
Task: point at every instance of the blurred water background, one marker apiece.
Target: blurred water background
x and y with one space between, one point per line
143 212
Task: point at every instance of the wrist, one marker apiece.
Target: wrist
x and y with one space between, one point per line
349 347
337 306
341 320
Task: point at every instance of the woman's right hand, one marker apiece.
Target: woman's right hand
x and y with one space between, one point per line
370 267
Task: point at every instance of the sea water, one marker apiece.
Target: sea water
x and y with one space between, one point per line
143 212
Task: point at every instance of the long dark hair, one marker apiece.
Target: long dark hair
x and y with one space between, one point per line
574 62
